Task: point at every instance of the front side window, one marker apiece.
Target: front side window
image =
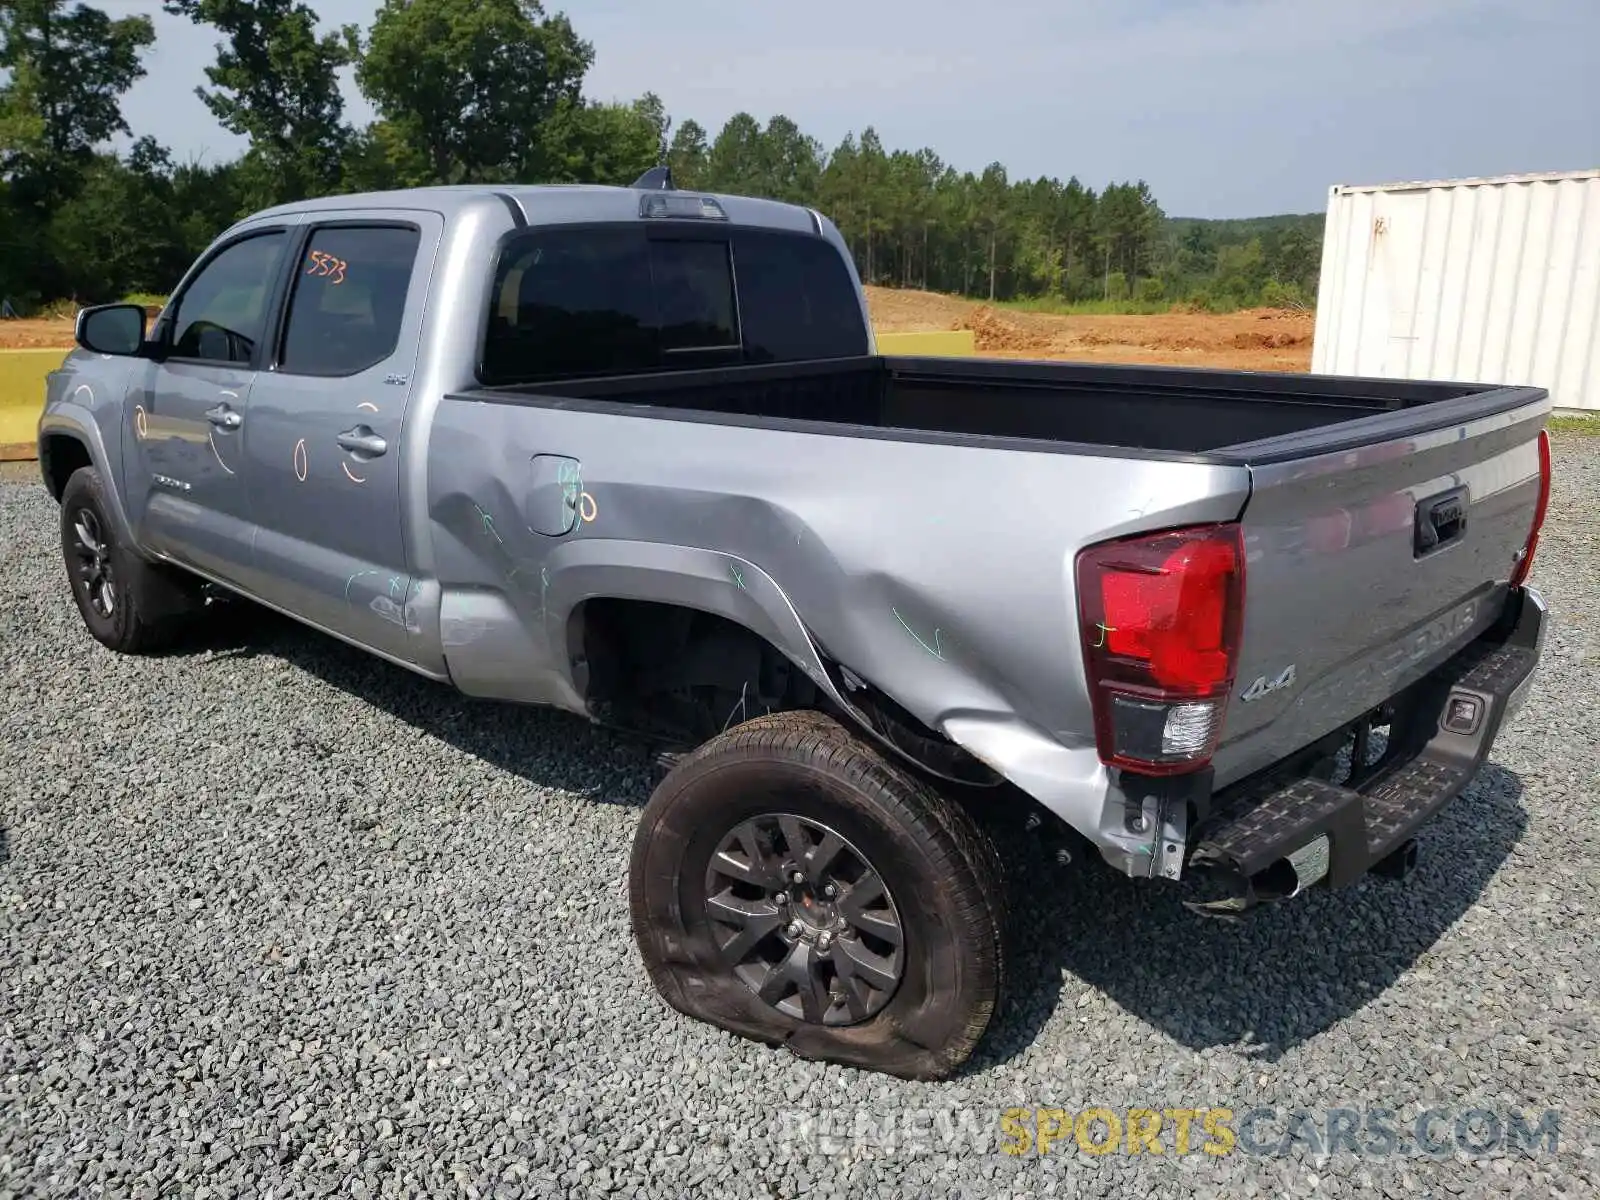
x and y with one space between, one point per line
222 313
348 299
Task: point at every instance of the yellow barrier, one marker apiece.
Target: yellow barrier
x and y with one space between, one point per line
22 375
953 343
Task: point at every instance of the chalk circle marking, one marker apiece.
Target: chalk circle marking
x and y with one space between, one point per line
350 475
300 464
587 508
211 440
140 425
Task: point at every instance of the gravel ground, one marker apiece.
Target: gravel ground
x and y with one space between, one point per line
276 918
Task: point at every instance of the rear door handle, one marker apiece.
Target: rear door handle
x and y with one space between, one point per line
362 442
224 417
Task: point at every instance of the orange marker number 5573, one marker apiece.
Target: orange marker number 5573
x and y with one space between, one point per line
326 264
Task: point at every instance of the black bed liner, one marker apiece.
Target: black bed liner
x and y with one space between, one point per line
1178 411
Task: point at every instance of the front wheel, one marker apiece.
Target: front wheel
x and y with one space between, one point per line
127 604
789 884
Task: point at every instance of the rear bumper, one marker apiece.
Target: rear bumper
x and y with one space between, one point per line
1335 833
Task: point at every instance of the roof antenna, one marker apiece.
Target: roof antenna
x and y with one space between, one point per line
656 179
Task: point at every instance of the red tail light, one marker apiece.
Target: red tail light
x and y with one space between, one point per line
1524 564
1161 617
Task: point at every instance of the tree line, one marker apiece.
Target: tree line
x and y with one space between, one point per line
490 91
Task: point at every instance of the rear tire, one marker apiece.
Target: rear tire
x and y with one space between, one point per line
127 604
897 968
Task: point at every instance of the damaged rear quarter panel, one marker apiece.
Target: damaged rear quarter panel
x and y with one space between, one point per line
941 573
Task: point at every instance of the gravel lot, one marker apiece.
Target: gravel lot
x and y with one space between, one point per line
278 918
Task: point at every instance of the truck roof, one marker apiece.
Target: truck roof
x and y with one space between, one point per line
555 203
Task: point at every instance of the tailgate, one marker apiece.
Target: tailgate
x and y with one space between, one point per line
1369 564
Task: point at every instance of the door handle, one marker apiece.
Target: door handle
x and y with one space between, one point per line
1440 520
224 417
362 442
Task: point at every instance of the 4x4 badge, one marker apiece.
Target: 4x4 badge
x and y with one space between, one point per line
1263 686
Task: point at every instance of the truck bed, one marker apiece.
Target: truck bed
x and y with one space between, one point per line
1130 408
1022 464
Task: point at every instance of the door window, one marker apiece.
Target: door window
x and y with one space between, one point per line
348 299
222 313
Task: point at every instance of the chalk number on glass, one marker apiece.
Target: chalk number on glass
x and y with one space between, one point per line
323 263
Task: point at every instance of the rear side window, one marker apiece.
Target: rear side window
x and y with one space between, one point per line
613 300
349 299
796 299
572 302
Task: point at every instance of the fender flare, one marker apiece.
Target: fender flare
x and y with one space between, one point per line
71 420
706 580
710 581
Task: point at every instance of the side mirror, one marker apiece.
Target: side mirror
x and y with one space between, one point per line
111 329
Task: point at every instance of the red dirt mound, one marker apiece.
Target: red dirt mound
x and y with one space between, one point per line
993 331
1278 339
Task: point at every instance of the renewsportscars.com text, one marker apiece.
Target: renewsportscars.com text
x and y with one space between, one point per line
1176 1132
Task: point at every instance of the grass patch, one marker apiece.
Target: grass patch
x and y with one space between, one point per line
22 375
1582 426
1055 306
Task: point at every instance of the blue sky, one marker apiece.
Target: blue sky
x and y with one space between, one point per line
1225 107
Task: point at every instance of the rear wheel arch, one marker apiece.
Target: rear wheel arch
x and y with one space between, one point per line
587 581
612 641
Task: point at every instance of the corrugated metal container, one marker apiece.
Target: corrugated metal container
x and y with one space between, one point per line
1477 280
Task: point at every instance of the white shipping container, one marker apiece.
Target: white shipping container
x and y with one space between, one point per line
1474 280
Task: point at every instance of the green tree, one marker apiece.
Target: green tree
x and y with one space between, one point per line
587 142
470 84
22 120
380 157
689 156
24 263
1241 272
276 82
790 162
993 193
16 251
1128 228
119 232
65 72
734 162
1297 259
838 188
490 91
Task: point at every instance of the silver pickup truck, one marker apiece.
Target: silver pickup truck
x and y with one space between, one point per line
631 452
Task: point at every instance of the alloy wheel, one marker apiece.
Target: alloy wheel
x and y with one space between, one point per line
805 921
92 562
